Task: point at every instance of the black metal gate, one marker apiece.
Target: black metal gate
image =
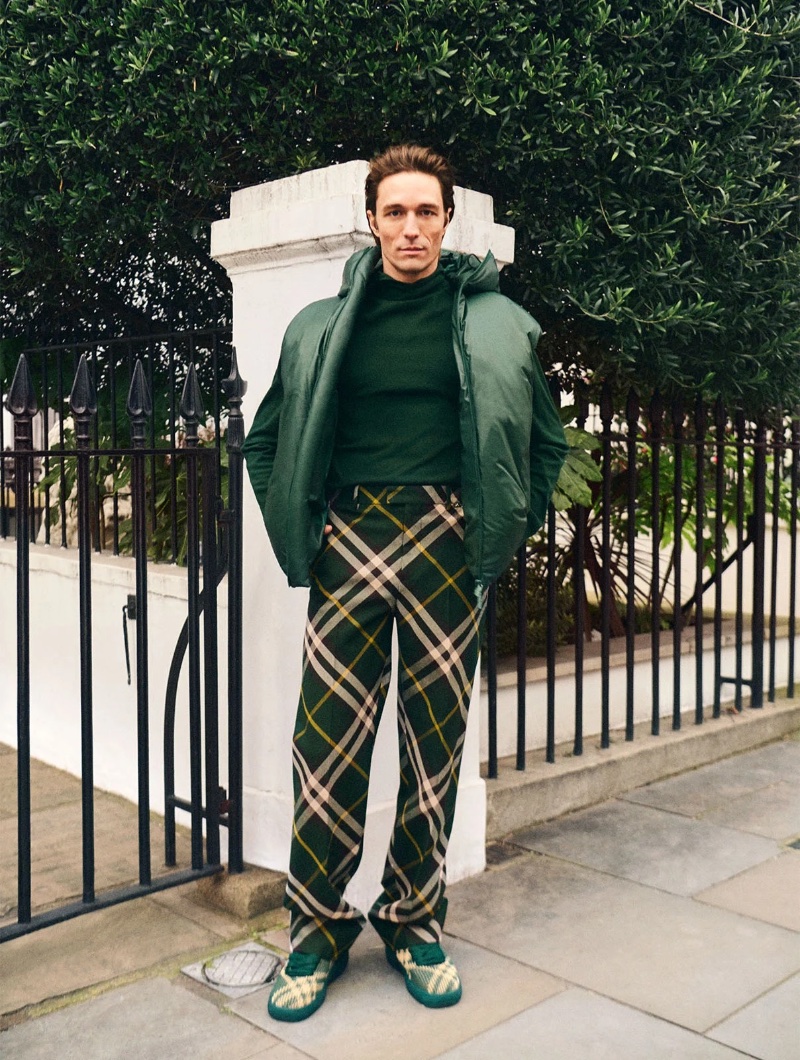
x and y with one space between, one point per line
211 547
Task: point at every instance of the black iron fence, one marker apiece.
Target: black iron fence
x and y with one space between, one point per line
671 484
152 471
110 365
135 475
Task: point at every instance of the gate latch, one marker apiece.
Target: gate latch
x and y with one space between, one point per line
128 612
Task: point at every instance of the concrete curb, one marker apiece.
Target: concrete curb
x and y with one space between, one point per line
545 791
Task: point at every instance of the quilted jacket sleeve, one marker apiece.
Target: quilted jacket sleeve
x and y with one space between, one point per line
262 439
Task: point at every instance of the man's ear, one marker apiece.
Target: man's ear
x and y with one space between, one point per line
448 217
371 220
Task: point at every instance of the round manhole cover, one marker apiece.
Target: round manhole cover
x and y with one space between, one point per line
241 968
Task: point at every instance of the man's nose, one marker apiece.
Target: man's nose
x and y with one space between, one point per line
411 226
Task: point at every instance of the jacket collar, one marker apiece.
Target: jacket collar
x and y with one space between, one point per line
469 273
464 272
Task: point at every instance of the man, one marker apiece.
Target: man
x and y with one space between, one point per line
406 448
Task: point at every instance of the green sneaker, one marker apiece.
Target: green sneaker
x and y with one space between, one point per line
302 984
431 977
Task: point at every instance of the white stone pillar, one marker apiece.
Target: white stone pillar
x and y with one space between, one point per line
283 246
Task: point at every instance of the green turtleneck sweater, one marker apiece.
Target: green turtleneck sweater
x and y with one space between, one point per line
398 389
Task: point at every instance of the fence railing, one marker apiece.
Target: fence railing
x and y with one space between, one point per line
674 483
144 436
110 365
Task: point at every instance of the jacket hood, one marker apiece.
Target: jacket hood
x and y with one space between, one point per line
464 271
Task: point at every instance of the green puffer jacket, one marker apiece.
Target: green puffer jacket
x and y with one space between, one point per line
512 441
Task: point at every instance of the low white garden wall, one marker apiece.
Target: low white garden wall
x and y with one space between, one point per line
536 689
55 667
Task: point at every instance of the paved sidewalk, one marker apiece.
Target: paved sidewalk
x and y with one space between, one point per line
662 924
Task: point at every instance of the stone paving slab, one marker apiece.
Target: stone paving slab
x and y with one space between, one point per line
578 1025
527 932
281 1051
56 851
769 892
49 787
664 954
769 1028
278 937
648 846
368 1013
710 787
183 902
781 757
93 949
149 1020
773 812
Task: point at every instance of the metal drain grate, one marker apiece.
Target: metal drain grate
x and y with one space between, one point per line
238 972
241 968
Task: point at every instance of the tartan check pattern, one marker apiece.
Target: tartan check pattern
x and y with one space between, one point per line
394 556
301 987
431 977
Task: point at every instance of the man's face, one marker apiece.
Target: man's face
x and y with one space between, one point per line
410 222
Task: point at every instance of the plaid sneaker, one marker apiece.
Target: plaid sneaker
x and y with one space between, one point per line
431 977
302 984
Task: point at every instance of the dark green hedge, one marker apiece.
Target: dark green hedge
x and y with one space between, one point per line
646 153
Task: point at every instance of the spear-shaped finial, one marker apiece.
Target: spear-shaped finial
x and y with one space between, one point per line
82 400
655 412
606 405
234 386
235 389
632 406
21 403
140 404
21 398
191 407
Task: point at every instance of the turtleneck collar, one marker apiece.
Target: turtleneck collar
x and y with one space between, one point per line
386 288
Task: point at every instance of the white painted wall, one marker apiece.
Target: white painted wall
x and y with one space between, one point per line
536 707
55 676
55 668
536 693
55 695
783 551
285 245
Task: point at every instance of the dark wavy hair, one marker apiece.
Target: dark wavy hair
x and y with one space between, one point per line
410 158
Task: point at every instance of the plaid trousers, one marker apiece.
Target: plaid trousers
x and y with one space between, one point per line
395 555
